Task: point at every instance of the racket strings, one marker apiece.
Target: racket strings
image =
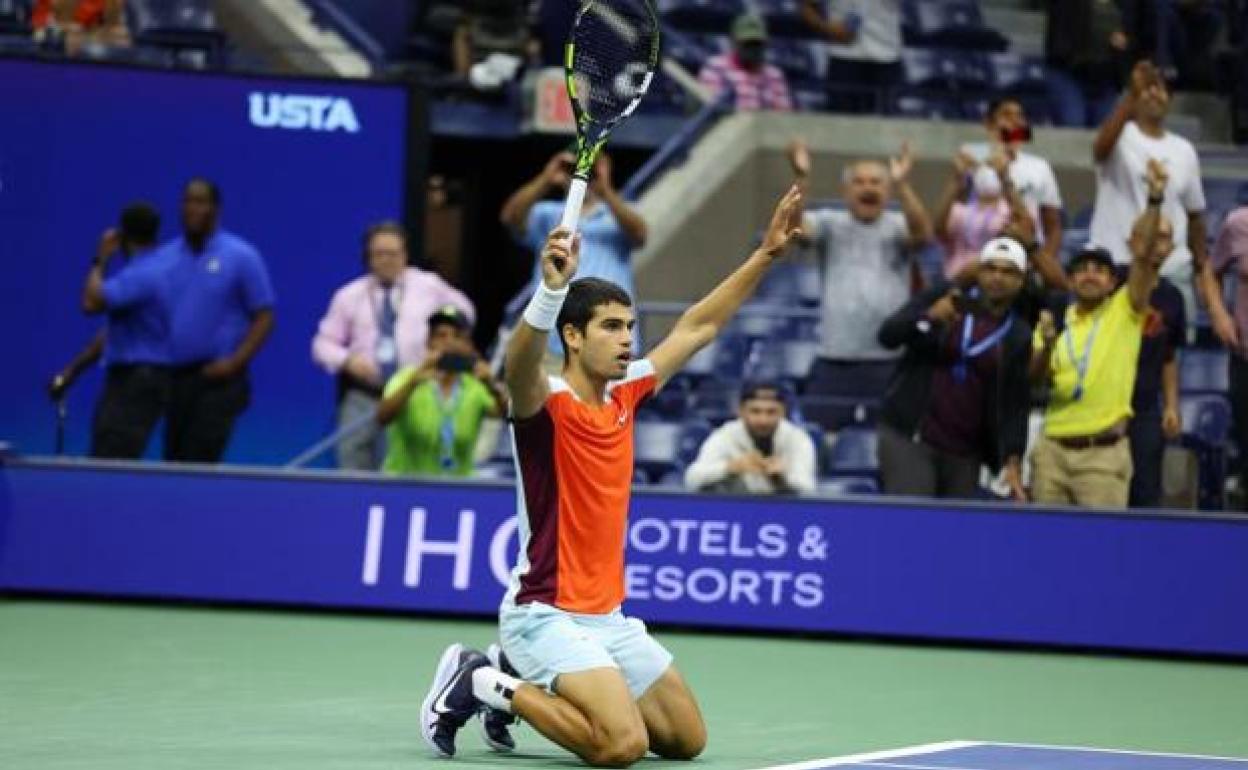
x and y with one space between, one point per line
614 51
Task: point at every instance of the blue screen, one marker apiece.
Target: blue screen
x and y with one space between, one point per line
78 142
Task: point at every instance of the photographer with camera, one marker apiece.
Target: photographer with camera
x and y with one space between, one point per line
761 452
434 411
376 324
959 397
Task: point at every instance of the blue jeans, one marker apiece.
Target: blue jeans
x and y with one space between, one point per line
1075 103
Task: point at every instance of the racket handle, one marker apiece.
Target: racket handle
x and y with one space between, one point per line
572 206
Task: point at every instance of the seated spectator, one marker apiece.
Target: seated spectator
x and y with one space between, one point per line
756 85
610 228
976 208
1086 47
376 324
434 410
865 54
1230 255
869 269
1084 457
959 398
760 452
80 22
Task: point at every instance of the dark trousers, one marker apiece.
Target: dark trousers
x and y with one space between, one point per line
916 469
1148 447
835 387
1239 410
201 415
134 398
860 86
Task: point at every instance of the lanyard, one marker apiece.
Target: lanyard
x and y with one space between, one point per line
448 408
1081 363
969 351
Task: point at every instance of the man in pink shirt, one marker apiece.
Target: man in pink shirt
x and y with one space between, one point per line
376 324
1230 255
756 85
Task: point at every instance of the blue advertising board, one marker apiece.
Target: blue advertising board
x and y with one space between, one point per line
303 165
1008 575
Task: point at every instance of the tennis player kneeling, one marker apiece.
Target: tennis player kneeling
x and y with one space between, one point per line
572 665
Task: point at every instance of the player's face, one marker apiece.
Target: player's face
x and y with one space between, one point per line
1092 281
999 281
387 256
762 416
866 190
606 348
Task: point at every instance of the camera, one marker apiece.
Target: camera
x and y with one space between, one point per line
456 362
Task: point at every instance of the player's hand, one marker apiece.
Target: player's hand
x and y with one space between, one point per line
222 369
799 158
899 167
1156 177
1171 423
1048 328
785 225
110 241
558 171
363 370
602 182
560 259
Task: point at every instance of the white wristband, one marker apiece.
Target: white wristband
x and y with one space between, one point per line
544 307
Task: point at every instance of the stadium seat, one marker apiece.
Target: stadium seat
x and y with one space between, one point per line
855 451
848 485
656 447
953 23
930 105
691 50
784 18
15 17
182 24
692 434
1206 418
672 402
705 15
1014 73
715 400
1203 371
797 58
835 413
809 95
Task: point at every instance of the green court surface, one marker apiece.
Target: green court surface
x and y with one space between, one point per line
108 687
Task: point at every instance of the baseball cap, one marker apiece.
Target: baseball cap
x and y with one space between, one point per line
1005 250
748 27
1091 253
765 389
450 315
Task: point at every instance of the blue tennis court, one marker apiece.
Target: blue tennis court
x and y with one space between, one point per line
971 755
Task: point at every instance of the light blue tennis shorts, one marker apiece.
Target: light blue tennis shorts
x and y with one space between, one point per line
543 642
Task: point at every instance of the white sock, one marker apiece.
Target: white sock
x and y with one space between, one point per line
494 688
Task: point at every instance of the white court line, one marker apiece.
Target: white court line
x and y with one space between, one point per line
852 759
916 767
1115 751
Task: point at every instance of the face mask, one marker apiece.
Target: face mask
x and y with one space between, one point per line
987 183
751 55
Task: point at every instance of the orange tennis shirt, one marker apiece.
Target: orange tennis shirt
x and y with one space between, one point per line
575 463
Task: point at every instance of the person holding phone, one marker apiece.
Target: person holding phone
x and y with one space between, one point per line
959 397
434 411
760 452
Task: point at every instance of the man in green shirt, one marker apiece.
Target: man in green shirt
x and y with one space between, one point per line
434 411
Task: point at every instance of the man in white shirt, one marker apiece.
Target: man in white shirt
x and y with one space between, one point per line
869 268
760 452
1031 175
1130 137
866 46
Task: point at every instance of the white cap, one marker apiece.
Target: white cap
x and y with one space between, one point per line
1006 249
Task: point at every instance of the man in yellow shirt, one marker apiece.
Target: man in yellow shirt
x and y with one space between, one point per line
1084 456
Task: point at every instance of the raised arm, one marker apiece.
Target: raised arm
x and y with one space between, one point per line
702 322
1144 265
631 222
955 190
515 213
918 226
836 31
1046 328
1205 280
63 379
1111 128
522 364
93 290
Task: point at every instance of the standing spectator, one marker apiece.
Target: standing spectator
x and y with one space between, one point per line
435 410
755 84
976 207
1132 136
868 265
866 46
1230 255
135 341
959 398
1007 127
760 452
610 228
223 315
1084 457
1086 46
376 324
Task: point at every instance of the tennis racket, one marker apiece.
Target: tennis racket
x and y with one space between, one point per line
609 62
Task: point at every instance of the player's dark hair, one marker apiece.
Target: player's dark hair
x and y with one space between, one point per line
139 223
585 294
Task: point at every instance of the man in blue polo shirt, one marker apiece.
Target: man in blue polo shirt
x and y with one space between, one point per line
135 341
223 313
